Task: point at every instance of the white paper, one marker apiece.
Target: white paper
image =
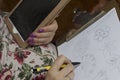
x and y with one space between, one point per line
97 48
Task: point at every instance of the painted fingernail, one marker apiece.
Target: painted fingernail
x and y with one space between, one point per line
32 35
41 30
31 43
30 39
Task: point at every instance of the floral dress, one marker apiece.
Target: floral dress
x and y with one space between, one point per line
16 63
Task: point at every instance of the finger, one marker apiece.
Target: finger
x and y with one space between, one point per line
40 42
68 69
50 28
43 40
58 62
44 34
66 78
70 76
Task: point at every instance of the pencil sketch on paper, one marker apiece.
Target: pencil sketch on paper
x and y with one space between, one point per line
83 46
101 76
101 33
97 48
88 60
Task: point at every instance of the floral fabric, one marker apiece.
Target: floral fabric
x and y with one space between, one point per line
16 63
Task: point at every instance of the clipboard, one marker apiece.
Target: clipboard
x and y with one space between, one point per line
56 9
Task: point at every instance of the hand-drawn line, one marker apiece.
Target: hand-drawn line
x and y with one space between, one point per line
101 33
88 64
118 66
102 75
80 47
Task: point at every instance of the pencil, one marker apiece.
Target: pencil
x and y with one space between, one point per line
46 68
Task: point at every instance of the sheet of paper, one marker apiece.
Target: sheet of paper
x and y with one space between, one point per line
97 48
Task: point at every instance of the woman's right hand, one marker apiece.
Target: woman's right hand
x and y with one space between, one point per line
55 73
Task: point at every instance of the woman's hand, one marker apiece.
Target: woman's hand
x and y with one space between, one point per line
64 74
44 35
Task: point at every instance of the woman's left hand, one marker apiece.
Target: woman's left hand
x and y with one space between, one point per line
44 35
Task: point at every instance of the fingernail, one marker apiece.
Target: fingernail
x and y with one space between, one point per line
30 39
32 35
31 43
41 30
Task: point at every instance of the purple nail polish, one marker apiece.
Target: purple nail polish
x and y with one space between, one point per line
31 43
41 30
32 35
31 40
